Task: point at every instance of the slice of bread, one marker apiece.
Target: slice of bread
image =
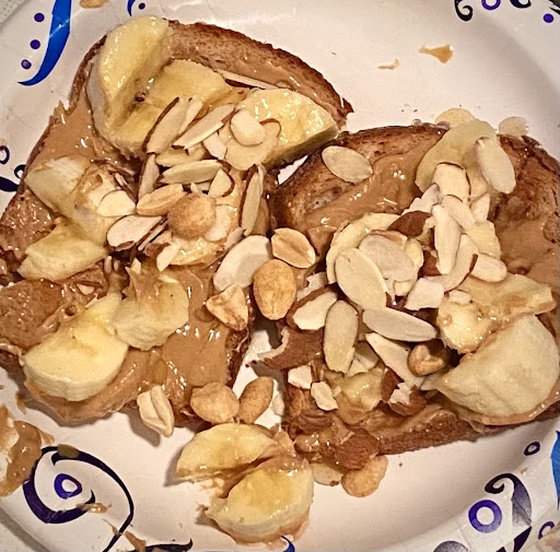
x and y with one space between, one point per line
31 309
526 222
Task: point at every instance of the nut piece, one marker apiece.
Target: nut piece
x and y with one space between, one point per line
192 216
155 410
293 247
495 165
246 129
160 201
399 325
447 236
341 332
230 307
489 269
347 164
313 314
429 357
323 396
452 180
275 289
301 377
215 402
115 204
365 481
407 400
325 474
425 294
255 399
130 230
252 200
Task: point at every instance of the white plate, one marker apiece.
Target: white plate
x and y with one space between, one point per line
456 498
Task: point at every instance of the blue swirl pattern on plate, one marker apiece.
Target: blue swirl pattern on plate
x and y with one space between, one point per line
465 11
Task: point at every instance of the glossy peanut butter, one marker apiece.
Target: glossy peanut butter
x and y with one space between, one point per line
21 455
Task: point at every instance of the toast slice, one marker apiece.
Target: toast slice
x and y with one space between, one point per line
207 350
317 203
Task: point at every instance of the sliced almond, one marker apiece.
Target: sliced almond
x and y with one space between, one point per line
293 247
390 258
156 411
241 262
447 234
459 297
220 230
426 201
274 287
495 165
466 254
160 201
173 157
483 234
204 127
230 307
252 200
323 396
398 325
148 176
152 235
452 180
197 171
411 224
454 116
130 230
351 235
346 163
426 294
166 255
172 122
243 157
360 279
514 126
301 377
314 282
489 269
395 356
246 129
341 332
313 314
459 210
247 81
216 148
364 359
480 208
116 204
221 185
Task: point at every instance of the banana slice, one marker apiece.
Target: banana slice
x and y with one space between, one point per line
224 447
271 501
147 321
60 254
131 55
305 125
82 357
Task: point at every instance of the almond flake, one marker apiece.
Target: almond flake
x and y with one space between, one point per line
364 359
221 227
116 204
274 287
323 396
166 255
452 180
481 208
216 148
156 411
347 164
130 230
395 356
172 122
205 126
483 234
152 235
148 176
160 201
390 258
495 165
251 204
398 325
197 171
293 247
313 314
300 377
246 129
230 307
341 332
459 297
221 185
173 157
489 269
314 282
411 224
426 294
459 210
241 262
426 201
247 81
514 126
242 157
447 234
351 235
360 279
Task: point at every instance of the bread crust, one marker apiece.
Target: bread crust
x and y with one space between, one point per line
534 198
